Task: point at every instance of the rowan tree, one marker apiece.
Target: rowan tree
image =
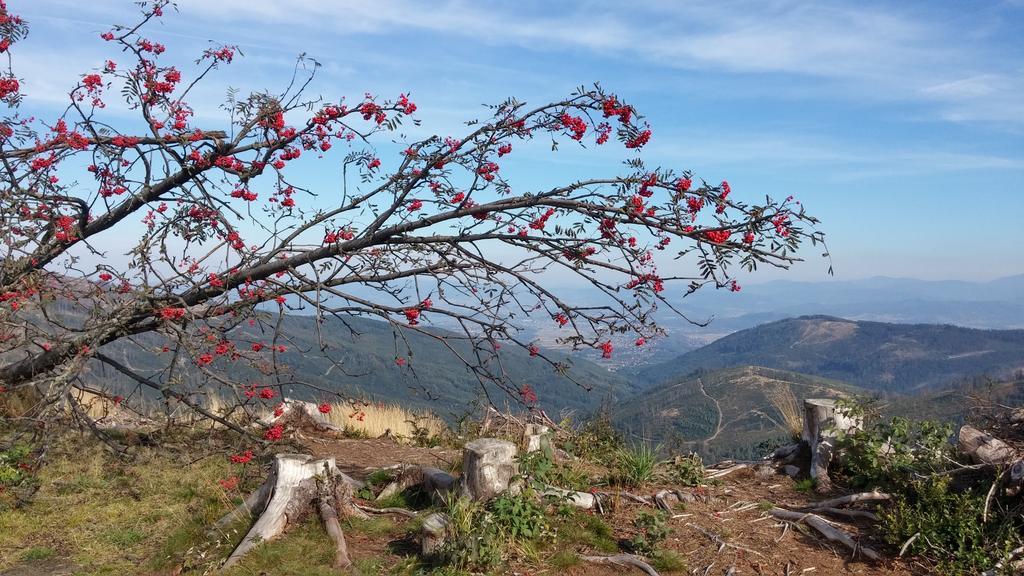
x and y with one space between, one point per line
222 239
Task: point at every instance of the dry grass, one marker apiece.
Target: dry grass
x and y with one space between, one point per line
367 419
374 420
783 399
356 417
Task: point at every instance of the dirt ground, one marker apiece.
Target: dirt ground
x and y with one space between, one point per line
755 543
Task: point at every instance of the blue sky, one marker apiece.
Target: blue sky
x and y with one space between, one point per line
901 125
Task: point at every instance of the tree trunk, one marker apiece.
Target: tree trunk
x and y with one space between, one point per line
297 486
821 424
488 465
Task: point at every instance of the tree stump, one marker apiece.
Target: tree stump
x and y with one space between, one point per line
822 422
299 414
297 487
536 436
488 466
433 534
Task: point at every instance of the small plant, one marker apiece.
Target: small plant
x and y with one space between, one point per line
564 559
668 562
540 468
579 529
14 464
635 466
376 479
686 470
519 516
651 530
804 485
38 553
474 538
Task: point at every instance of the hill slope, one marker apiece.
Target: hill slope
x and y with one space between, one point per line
724 413
433 377
873 355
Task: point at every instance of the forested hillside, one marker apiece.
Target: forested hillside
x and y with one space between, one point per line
726 412
360 358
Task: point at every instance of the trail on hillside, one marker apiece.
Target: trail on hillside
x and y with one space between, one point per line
718 407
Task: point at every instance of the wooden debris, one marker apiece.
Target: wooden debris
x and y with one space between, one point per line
625 560
827 530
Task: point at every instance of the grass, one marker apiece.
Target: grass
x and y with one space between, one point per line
805 485
38 553
586 530
564 559
307 551
106 517
635 466
668 562
369 420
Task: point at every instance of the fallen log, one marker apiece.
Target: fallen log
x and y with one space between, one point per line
983 448
874 496
623 560
329 516
825 529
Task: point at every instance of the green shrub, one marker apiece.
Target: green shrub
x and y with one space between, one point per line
541 469
651 530
686 470
891 454
949 528
597 440
474 539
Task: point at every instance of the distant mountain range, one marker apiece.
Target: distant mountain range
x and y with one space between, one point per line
877 356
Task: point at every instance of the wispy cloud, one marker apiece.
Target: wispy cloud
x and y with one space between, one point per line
867 51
